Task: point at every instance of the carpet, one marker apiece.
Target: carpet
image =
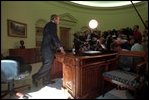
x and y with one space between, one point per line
55 91
51 91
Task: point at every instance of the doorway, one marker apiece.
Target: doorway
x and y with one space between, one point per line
64 36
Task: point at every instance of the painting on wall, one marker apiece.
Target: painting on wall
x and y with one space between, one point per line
16 29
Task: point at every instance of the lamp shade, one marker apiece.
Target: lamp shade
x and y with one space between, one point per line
93 24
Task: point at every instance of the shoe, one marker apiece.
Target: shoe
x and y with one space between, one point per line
52 82
45 83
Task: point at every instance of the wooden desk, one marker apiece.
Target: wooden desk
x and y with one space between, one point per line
82 75
57 67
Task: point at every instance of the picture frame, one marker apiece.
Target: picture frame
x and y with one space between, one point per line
16 29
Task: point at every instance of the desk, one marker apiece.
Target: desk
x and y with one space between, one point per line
82 75
57 67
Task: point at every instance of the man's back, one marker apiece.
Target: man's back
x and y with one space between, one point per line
137 47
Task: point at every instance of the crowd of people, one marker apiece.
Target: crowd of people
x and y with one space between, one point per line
113 40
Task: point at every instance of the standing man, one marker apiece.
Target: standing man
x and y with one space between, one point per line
136 33
50 43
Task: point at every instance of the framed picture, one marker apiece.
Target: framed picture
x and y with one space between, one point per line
16 29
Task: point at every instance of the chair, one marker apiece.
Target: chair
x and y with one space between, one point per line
13 69
129 73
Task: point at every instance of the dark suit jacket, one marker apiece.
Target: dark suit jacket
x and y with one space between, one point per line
50 39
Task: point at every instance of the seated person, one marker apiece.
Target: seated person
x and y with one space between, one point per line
137 45
129 44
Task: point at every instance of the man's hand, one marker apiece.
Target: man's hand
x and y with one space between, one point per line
62 50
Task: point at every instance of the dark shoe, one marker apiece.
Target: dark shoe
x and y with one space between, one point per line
45 83
52 82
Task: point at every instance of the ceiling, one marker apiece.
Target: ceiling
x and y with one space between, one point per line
104 3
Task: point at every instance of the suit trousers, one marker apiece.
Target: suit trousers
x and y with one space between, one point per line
47 60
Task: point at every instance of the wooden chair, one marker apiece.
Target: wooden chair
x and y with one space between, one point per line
131 79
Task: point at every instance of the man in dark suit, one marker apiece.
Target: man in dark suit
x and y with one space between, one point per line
50 43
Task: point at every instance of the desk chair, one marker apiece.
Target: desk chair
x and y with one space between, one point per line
129 73
10 71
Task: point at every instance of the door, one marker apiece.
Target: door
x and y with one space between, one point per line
64 36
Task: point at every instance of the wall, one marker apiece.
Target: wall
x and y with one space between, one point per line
31 11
